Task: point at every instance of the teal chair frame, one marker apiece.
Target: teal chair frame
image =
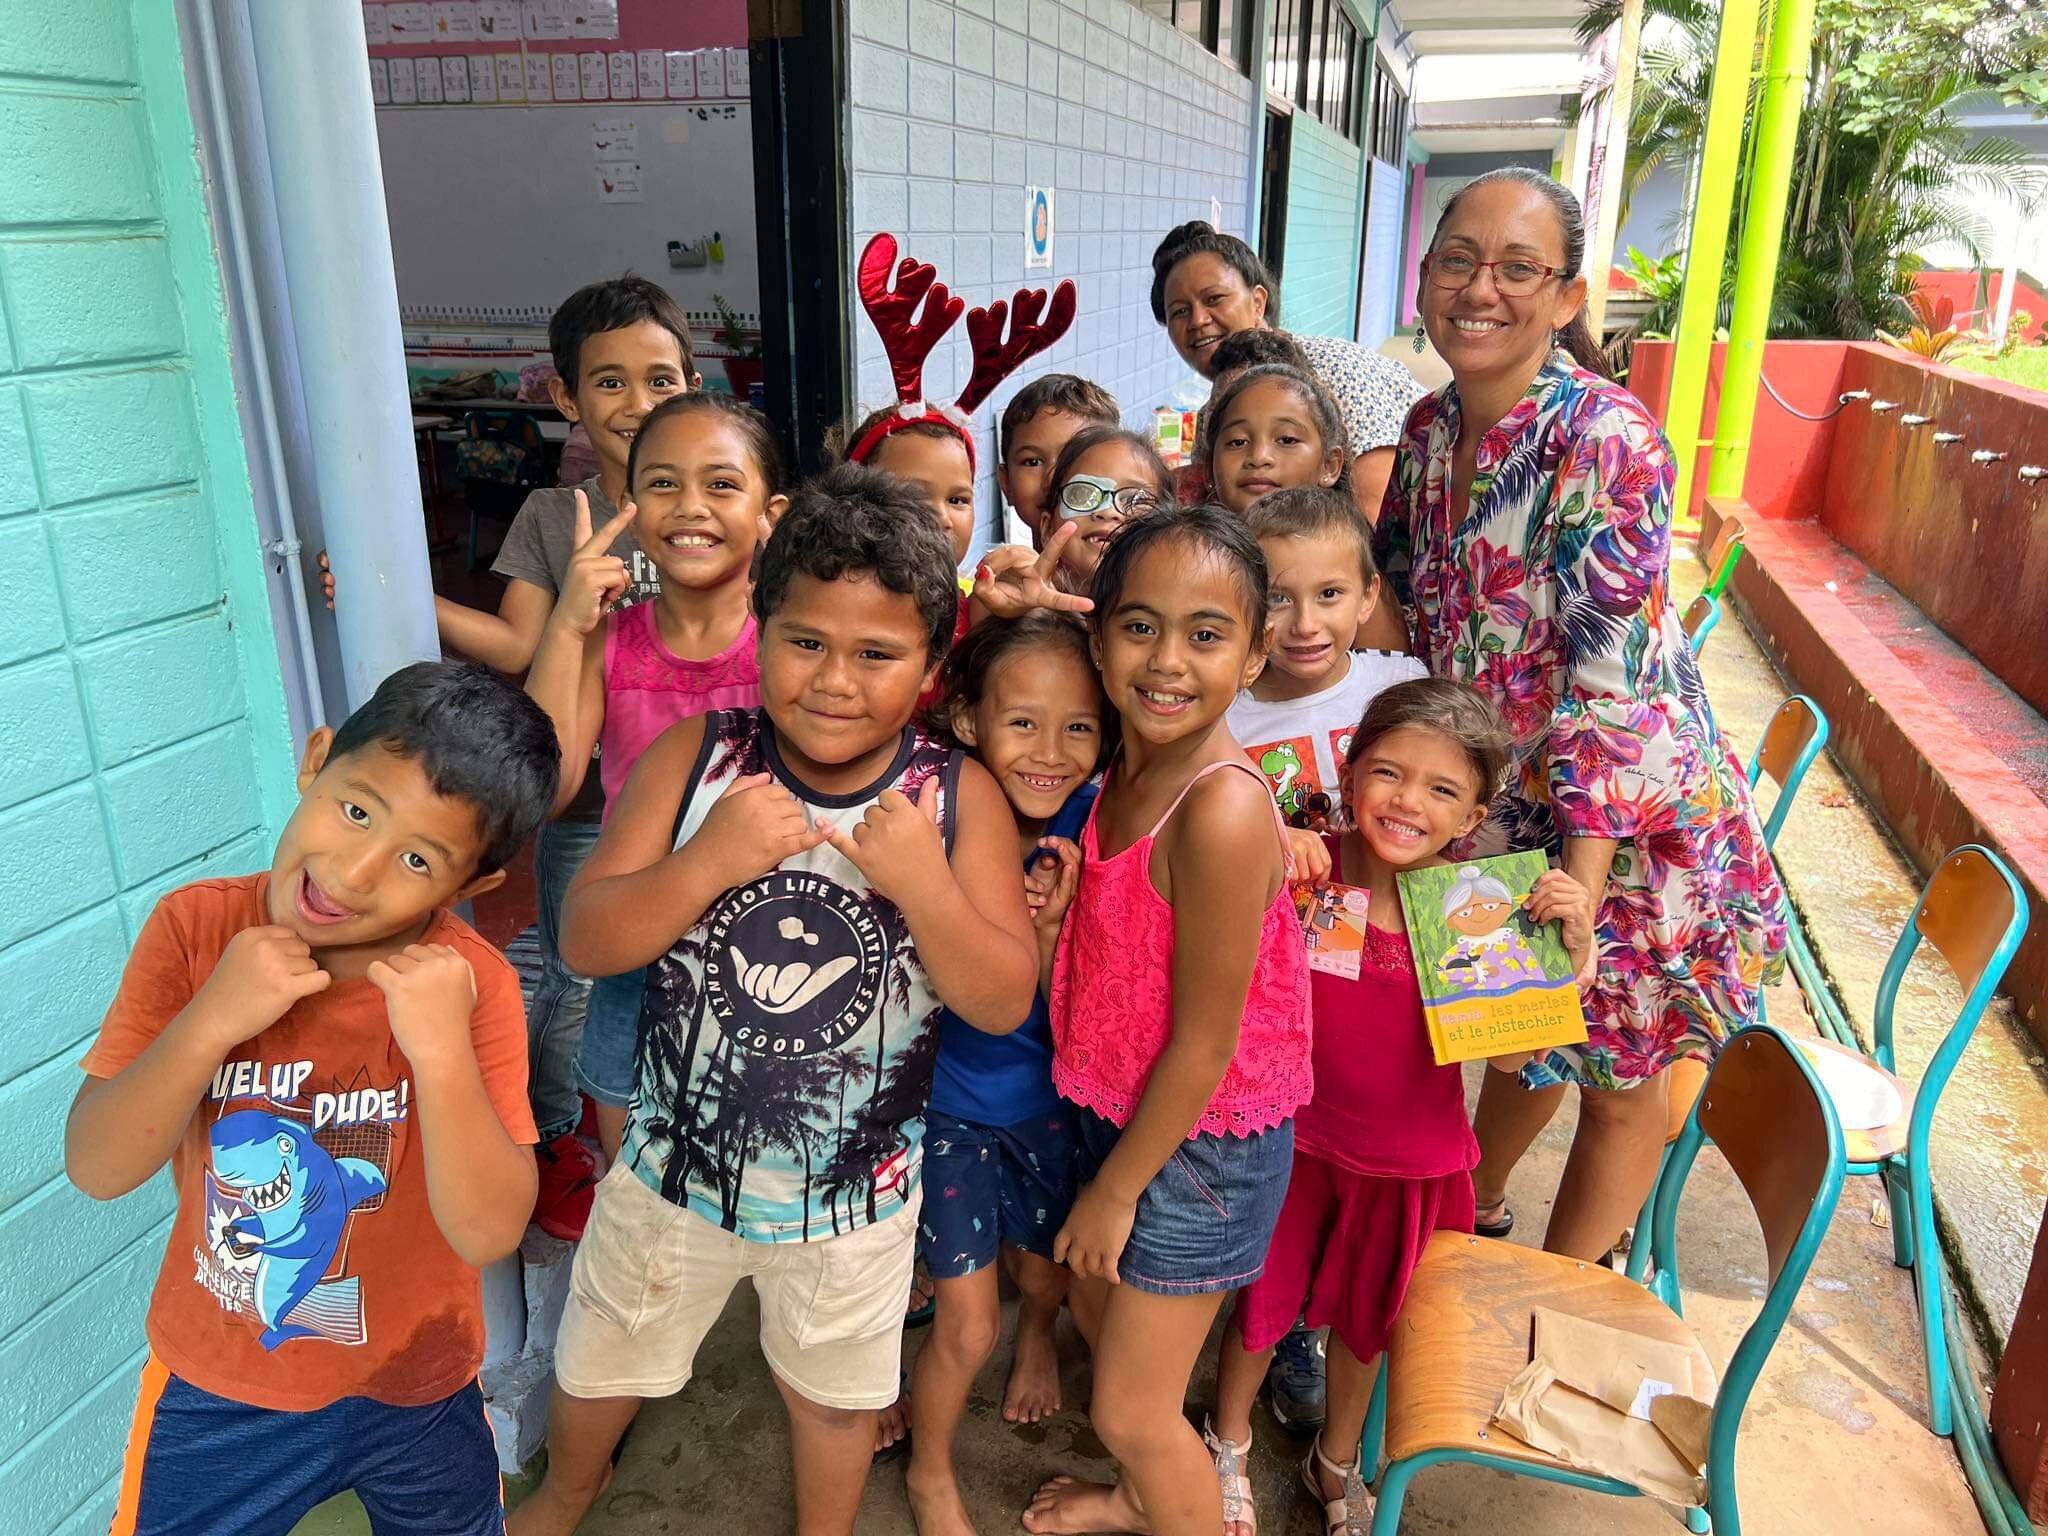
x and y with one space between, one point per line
1710 615
1722 1514
1788 791
1907 1181
1795 775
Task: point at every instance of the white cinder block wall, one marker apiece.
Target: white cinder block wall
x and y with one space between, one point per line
958 105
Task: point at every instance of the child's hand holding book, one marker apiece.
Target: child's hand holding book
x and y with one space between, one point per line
1557 897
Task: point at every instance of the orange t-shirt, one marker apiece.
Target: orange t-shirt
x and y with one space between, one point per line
304 1264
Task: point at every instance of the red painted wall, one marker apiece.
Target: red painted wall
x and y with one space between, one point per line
1968 544
1788 457
1961 289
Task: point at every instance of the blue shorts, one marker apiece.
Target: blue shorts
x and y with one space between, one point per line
607 1063
199 1464
1206 1219
991 1184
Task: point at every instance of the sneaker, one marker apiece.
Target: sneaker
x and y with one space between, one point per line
568 1181
1294 1381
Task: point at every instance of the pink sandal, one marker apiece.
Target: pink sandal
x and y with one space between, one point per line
1240 1516
1350 1513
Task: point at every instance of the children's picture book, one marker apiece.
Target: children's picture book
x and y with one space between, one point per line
1493 981
1332 926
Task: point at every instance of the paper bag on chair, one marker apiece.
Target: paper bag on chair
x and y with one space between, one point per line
1616 1404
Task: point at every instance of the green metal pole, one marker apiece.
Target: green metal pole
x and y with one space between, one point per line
1763 230
1707 251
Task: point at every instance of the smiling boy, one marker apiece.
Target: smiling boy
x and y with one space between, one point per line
334 1066
807 882
1296 719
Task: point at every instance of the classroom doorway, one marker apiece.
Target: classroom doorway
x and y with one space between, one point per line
1275 162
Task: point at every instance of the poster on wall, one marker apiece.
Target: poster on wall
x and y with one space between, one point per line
1038 226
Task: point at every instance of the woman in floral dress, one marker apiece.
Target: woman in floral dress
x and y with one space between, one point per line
1533 500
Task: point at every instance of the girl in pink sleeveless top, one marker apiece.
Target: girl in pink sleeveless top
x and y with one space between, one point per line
1187 1059
1383 1152
704 481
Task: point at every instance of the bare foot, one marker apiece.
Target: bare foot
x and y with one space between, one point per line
1034 1389
892 1424
936 1506
1066 1506
551 1510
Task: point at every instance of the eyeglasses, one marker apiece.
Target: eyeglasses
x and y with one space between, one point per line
1515 278
1085 495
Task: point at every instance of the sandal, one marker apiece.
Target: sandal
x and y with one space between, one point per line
1350 1513
1240 1516
1502 1224
918 1314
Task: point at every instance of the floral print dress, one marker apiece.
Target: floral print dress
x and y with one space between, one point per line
1551 594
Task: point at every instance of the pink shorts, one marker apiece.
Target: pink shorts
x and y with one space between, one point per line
1344 1248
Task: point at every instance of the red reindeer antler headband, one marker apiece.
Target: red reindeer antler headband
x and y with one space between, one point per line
908 338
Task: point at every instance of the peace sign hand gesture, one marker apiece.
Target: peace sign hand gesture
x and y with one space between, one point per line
1011 581
596 578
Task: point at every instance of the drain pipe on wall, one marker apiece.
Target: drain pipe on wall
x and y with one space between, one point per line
260 421
327 176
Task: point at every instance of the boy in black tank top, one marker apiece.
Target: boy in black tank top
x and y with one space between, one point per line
808 884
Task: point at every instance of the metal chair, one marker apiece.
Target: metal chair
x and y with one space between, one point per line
1790 743
1724 554
1793 739
501 459
1974 914
1463 1332
1701 615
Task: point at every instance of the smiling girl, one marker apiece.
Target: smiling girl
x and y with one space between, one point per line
703 484
1186 1061
1273 428
1383 1152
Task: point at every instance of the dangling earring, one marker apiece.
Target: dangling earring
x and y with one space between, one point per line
1420 340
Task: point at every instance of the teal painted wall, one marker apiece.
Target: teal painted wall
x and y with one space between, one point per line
1320 283
140 702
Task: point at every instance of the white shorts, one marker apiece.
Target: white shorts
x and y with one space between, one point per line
651 1278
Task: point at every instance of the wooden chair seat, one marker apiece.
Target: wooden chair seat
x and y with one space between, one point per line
1465 1332
1864 1146
1683 1080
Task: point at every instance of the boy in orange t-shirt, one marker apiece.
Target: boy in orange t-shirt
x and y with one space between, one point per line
334 1065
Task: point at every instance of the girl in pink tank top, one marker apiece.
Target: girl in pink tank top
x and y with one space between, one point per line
703 484
1187 1059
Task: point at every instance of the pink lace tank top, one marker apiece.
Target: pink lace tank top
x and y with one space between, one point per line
648 688
1112 993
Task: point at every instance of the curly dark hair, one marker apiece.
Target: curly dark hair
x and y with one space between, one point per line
852 520
477 738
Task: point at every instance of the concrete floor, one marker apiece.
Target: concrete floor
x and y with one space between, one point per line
1835 1435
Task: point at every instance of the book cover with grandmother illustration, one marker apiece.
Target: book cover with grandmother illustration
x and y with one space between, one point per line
1494 982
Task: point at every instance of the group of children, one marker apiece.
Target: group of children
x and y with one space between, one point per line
885 915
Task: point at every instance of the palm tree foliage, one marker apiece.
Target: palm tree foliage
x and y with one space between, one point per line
1884 166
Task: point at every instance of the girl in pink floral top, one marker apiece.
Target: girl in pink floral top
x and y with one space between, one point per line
1533 497
1188 1059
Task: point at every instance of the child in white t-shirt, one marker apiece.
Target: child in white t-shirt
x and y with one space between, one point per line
1296 719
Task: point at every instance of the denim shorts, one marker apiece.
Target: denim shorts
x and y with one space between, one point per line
1206 1219
985 1185
607 1059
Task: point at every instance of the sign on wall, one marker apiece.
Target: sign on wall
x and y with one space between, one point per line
1038 226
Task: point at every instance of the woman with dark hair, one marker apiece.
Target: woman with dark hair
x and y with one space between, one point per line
1207 285
1533 498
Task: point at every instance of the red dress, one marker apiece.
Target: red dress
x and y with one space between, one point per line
1383 1156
